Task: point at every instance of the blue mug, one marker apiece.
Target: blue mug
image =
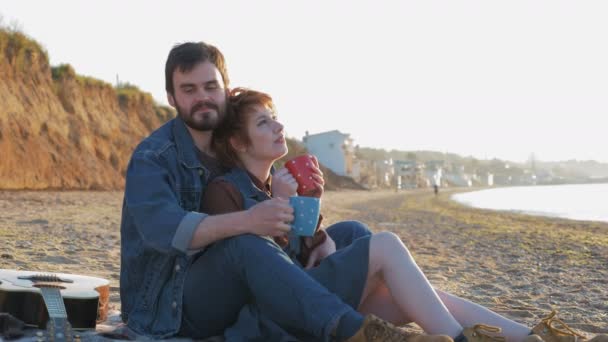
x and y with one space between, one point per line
306 214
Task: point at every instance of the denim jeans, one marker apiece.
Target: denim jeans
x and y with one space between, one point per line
247 268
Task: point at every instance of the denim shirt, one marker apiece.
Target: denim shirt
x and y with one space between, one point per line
164 183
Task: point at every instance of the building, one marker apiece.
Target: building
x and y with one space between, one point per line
385 173
409 174
333 149
364 172
456 176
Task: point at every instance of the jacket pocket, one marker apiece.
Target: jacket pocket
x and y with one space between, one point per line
189 199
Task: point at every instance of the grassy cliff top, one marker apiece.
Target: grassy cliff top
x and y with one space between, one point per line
24 55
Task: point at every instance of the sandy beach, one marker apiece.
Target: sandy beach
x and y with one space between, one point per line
520 266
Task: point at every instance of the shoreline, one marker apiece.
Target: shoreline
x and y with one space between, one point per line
566 201
520 266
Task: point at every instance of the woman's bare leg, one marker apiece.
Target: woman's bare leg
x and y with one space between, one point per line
392 264
382 304
377 297
469 314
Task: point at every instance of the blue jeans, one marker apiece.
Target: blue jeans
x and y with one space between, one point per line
246 268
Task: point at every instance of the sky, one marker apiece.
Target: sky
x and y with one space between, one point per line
489 79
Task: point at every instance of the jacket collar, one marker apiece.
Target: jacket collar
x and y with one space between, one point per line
186 150
262 186
247 184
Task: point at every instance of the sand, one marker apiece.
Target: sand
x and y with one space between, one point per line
520 266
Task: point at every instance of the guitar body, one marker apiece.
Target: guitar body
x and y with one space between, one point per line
85 298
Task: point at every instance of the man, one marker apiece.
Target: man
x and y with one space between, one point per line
186 273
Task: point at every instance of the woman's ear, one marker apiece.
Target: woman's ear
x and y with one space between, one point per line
237 144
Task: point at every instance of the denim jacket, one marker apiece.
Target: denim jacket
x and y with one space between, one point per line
164 183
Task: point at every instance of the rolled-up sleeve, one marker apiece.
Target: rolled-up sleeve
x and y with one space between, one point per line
153 204
185 232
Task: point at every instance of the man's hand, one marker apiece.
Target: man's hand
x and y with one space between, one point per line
270 218
323 250
283 184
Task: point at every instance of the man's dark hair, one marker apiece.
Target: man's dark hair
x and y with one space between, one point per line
187 55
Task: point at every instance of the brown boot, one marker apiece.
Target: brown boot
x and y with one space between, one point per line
553 329
534 338
599 338
483 333
375 329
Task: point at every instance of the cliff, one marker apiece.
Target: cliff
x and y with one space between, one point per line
60 130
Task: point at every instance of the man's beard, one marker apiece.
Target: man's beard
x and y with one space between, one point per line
209 119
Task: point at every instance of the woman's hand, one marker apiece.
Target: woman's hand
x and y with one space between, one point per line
322 251
317 177
283 184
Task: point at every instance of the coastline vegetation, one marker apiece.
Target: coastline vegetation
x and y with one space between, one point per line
23 52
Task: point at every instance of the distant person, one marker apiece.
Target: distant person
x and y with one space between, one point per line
376 274
175 260
436 189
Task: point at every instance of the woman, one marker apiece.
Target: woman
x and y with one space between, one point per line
377 275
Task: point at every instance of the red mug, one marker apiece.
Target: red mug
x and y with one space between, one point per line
301 168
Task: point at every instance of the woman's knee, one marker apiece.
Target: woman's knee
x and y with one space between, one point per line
386 238
388 242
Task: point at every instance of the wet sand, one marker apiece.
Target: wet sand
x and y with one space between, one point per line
520 266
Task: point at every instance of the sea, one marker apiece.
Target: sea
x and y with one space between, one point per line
587 202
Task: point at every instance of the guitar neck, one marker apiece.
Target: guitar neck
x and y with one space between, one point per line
54 302
58 326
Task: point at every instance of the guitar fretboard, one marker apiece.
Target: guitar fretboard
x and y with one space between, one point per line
54 302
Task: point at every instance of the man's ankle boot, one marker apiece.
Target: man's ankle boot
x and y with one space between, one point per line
375 329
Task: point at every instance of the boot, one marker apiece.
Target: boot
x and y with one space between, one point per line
483 333
599 338
534 338
553 329
375 329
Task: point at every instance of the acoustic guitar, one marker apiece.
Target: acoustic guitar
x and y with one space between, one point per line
54 301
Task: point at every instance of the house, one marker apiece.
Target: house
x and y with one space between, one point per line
333 149
364 172
409 174
457 177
